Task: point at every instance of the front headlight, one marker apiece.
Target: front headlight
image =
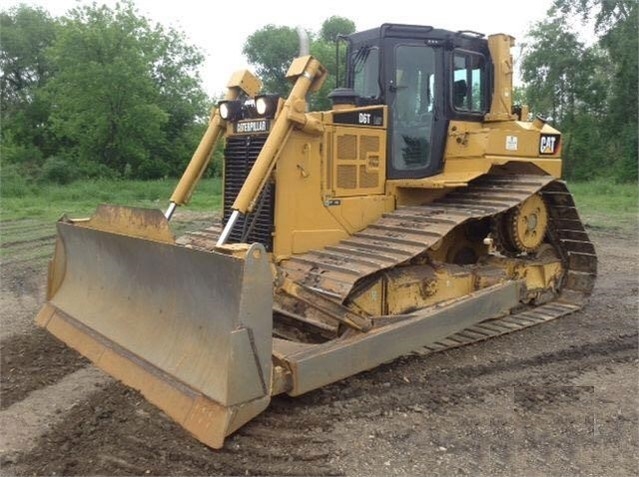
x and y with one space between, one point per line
224 110
261 106
230 110
266 105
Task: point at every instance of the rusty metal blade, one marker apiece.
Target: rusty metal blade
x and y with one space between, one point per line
190 329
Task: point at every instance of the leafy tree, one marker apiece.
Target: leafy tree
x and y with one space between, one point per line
551 69
335 26
324 48
606 13
25 35
622 43
590 91
175 74
272 48
560 72
125 92
616 25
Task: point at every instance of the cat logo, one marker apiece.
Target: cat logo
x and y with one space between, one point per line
549 144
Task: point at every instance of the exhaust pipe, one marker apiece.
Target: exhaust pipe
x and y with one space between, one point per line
304 42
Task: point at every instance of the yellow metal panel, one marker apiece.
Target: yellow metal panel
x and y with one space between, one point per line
290 116
501 107
351 108
149 224
466 139
246 81
412 288
473 149
372 298
306 218
298 66
304 64
513 142
356 213
551 166
298 198
511 139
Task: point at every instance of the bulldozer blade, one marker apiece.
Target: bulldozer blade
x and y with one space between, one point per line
191 330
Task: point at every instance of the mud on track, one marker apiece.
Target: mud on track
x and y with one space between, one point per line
557 399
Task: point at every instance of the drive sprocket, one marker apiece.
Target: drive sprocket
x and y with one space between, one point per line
521 229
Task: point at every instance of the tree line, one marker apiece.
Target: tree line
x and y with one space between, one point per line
590 91
104 92
99 92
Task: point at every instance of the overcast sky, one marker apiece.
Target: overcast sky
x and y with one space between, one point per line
220 28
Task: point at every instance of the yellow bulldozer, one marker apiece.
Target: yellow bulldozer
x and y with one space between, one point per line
422 211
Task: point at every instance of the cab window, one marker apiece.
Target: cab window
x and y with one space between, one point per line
469 82
366 72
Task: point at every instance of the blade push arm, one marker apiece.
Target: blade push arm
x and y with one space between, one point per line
241 81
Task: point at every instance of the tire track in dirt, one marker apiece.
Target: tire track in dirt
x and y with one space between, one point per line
21 224
20 232
26 246
30 253
25 421
33 361
422 384
19 245
512 417
21 293
125 435
39 258
294 435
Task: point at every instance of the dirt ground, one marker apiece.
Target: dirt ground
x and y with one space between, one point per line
561 398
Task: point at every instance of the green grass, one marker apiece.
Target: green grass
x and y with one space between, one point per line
601 204
79 199
606 205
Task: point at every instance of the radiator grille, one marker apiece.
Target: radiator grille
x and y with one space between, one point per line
357 163
347 177
239 156
368 144
368 179
347 147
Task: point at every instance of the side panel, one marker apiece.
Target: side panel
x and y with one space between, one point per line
328 187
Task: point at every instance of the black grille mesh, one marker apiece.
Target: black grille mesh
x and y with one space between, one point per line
240 155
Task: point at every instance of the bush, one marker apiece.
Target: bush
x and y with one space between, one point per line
58 170
95 170
627 168
152 169
21 154
13 181
26 159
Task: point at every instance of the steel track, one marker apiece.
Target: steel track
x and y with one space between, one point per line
402 235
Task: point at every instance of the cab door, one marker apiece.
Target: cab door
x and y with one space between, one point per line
414 94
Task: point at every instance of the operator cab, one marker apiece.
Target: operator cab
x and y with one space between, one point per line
427 77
